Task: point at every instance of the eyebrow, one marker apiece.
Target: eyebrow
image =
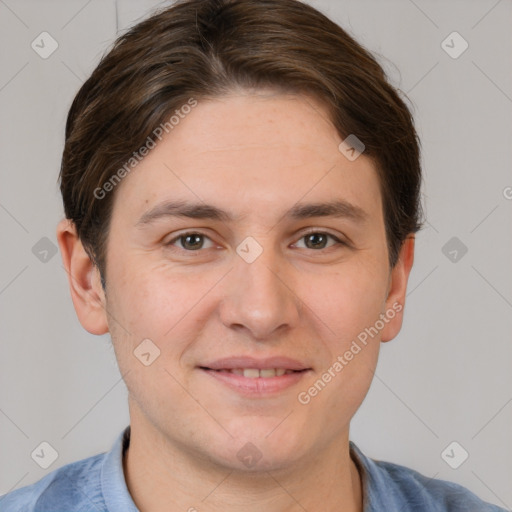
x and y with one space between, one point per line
337 208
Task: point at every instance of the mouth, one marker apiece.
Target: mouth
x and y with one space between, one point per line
255 373
251 381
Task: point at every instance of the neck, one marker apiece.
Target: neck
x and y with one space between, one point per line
162 476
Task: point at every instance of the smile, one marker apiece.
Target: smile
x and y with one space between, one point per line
254 381
253 373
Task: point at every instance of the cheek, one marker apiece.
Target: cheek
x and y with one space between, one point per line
349 299
156 302
348 306
150 304
146 295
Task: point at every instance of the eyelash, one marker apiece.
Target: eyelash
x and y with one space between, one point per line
183 235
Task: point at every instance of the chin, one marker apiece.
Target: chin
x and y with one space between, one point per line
263 446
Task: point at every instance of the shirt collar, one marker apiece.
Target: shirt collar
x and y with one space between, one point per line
376 491
113 483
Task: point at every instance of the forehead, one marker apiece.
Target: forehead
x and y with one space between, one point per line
252 154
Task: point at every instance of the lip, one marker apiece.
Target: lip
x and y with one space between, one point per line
229 363
259 386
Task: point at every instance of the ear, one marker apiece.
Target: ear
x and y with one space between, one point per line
84 280
395 301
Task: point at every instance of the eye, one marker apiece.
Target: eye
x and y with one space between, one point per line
191 241
318 240
194 241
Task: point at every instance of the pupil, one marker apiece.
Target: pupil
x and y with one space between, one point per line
195 243
315 236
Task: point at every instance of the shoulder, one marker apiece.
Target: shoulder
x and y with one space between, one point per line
75 487
427 492
389 486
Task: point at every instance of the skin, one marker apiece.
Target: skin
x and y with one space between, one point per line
255 155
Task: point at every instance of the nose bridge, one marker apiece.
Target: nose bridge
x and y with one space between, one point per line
259 298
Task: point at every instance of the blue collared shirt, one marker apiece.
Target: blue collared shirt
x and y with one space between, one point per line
97 484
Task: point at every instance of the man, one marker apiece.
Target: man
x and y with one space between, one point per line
241 189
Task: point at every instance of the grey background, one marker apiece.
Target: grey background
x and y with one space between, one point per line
445 378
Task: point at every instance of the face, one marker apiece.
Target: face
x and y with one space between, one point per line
249 277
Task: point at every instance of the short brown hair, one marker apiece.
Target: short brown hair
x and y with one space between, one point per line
207 48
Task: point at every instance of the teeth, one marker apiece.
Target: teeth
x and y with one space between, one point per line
253 373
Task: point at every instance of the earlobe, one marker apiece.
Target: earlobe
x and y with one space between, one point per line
395 301
84 280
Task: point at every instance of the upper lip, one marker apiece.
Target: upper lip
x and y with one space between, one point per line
230 363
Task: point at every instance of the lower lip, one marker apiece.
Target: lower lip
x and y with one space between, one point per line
258 385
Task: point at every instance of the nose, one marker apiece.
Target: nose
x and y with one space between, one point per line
260 297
